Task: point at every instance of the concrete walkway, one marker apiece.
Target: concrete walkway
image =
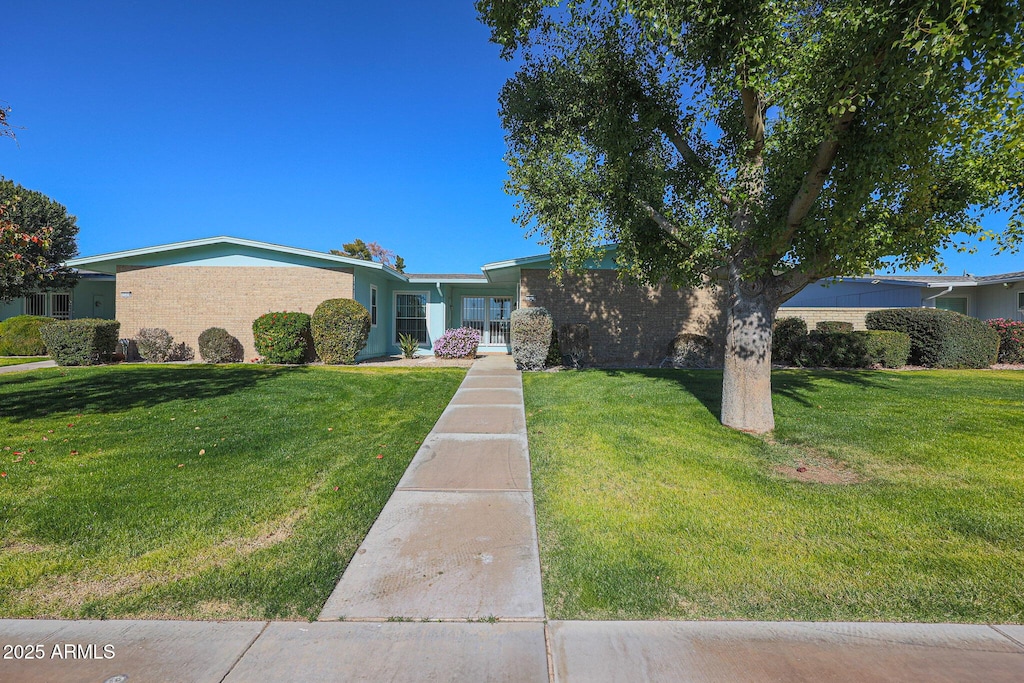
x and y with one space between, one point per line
446 587
21 367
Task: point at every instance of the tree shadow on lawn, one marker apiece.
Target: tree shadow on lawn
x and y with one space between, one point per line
797 385
113 389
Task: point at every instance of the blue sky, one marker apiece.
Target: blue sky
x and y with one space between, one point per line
307 124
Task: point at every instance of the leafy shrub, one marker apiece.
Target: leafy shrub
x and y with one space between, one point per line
574 344
86 341
340 330
941 339
787 337
554 352
217 345
154 344
834 326
833 350
460 342
282 337
531 337
409 345
19 336
689 350
886 348
181 351
1011 339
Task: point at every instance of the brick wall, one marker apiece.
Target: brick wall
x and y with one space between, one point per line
185 300
812 316
629 324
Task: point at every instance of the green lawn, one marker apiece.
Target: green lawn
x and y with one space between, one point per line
19 360
198 491
647 508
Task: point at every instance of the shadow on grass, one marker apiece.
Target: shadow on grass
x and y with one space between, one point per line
796 385
113 389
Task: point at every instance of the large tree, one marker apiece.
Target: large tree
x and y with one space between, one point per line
761 145
371 252
36 237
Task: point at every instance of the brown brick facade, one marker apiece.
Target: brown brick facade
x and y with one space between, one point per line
629 324
185 300
813 316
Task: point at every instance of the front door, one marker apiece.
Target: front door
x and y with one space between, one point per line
488 315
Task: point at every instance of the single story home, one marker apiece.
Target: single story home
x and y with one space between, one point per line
187 287
850 299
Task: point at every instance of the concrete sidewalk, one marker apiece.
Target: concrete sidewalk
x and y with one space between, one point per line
457 540
446 587
22 367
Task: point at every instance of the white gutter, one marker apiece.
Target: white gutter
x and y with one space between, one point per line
932 298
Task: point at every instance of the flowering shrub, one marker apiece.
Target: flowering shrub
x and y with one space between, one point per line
282 337
340 330
531 337
460 342
1011 339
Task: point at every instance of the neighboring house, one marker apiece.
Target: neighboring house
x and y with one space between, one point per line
92 297
850 299
228 282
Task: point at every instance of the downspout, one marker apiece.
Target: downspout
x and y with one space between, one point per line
933 298
443 303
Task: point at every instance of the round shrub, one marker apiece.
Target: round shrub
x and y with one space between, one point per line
19 336
154 344
85 341
216 345
340 330
282 337
834 326
787 339
689 350
460 342
1011 339
531 337
888 349
940 339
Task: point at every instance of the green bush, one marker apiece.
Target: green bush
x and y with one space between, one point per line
19 336
689 350
554 358
217 345
340 330
574 344
940 339
531 337
834 326
886 348
154 344
283 337
787 337
86 341
833 350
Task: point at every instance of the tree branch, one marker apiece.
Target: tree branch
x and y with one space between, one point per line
667 226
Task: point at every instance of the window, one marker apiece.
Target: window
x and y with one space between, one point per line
952 303
489 315
35 304
373 306
411 316
1020 301
474 311
60 306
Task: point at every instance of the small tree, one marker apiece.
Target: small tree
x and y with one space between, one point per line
371 252
36 236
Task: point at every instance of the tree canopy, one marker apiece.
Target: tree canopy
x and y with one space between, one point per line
762 145
36 236
371 252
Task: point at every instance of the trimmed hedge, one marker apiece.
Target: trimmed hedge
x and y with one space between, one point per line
19 336
940 339
1011 339
154 344
531 337
834 326
887 348
833 350
340 330
217 345
574 344
554 352
690 350
86 341
787 337
459 342
282 337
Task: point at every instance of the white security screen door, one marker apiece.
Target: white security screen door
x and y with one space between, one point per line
488 315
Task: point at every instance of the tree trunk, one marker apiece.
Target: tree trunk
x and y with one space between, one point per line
747 382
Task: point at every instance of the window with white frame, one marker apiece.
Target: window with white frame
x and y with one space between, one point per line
411 316
373 306
60 306
35 304
1020 301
